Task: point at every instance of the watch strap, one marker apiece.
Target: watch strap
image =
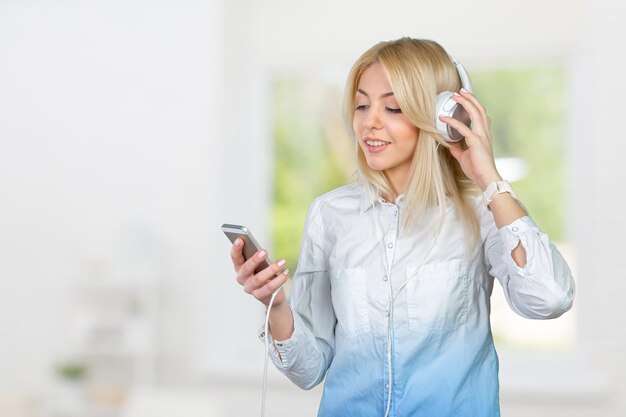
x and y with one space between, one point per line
497 187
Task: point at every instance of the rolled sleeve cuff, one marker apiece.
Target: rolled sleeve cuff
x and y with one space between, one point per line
511 233
514 233
282 352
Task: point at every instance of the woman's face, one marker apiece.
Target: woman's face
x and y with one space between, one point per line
385 135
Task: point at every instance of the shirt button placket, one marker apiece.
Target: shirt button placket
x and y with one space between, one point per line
391 236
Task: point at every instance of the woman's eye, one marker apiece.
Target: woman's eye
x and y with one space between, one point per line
392 110
361 107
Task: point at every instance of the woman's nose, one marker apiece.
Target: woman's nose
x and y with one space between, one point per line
373 120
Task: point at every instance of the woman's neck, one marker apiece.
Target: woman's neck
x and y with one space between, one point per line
397 180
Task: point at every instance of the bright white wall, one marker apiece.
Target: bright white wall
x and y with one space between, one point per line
321 35
106 111
596 172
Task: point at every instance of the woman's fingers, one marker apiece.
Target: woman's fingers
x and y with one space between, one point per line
486 121
472 110
236 254
250 265
262 277
456 150
264 292
477 160
262 284
471 97
467 133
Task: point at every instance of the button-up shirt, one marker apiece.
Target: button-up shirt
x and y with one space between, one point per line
403 318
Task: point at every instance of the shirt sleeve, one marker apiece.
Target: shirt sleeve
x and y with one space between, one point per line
305 357
544 287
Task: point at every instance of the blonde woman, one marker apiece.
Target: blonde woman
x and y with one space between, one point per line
390 302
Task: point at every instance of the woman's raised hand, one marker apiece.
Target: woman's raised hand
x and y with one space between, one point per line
262 284
477 161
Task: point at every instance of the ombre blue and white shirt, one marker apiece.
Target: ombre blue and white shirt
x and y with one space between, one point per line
436 333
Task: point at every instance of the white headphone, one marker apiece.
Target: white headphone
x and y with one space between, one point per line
445 106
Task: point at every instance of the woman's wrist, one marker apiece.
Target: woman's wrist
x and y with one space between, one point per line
281 321
484 182
279 302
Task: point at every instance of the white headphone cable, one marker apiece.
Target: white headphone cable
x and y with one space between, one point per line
389 311
267 349
392 297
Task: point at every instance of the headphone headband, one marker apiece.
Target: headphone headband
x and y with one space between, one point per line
446 106
465 81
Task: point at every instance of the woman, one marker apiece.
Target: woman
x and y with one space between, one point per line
390 302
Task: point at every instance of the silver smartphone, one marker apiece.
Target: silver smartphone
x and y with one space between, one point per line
250 246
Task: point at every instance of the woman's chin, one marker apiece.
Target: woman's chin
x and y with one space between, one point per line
376 166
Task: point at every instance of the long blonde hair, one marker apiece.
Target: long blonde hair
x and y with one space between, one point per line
418 70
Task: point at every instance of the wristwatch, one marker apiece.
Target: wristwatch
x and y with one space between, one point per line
495 188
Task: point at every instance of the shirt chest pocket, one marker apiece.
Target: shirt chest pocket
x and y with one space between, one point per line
437 297
349 297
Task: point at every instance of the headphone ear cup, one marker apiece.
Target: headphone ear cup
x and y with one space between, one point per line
442 108
446 106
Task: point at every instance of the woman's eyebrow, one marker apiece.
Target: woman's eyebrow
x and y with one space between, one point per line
389 94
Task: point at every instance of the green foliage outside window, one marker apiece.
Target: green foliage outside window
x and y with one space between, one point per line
307 125
527 110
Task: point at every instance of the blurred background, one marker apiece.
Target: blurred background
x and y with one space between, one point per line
131 130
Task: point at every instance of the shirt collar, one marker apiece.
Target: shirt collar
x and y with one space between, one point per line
371 197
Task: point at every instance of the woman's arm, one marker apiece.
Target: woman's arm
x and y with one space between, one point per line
544 287
505 211
302 330
478 163
536 280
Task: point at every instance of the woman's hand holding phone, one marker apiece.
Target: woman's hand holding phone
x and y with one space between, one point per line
262 284
261 278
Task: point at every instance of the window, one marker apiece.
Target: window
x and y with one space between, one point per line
313 154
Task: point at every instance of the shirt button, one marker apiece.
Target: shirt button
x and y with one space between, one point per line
390 245
515 228
395 213
385 278
387 386
386 313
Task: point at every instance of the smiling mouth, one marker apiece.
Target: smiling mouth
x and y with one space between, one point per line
375 146
376 143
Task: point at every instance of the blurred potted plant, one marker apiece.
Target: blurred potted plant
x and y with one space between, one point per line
72 371
70 392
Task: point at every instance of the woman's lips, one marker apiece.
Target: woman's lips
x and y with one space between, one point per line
375 145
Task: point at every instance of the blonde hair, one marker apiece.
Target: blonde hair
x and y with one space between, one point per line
417 71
